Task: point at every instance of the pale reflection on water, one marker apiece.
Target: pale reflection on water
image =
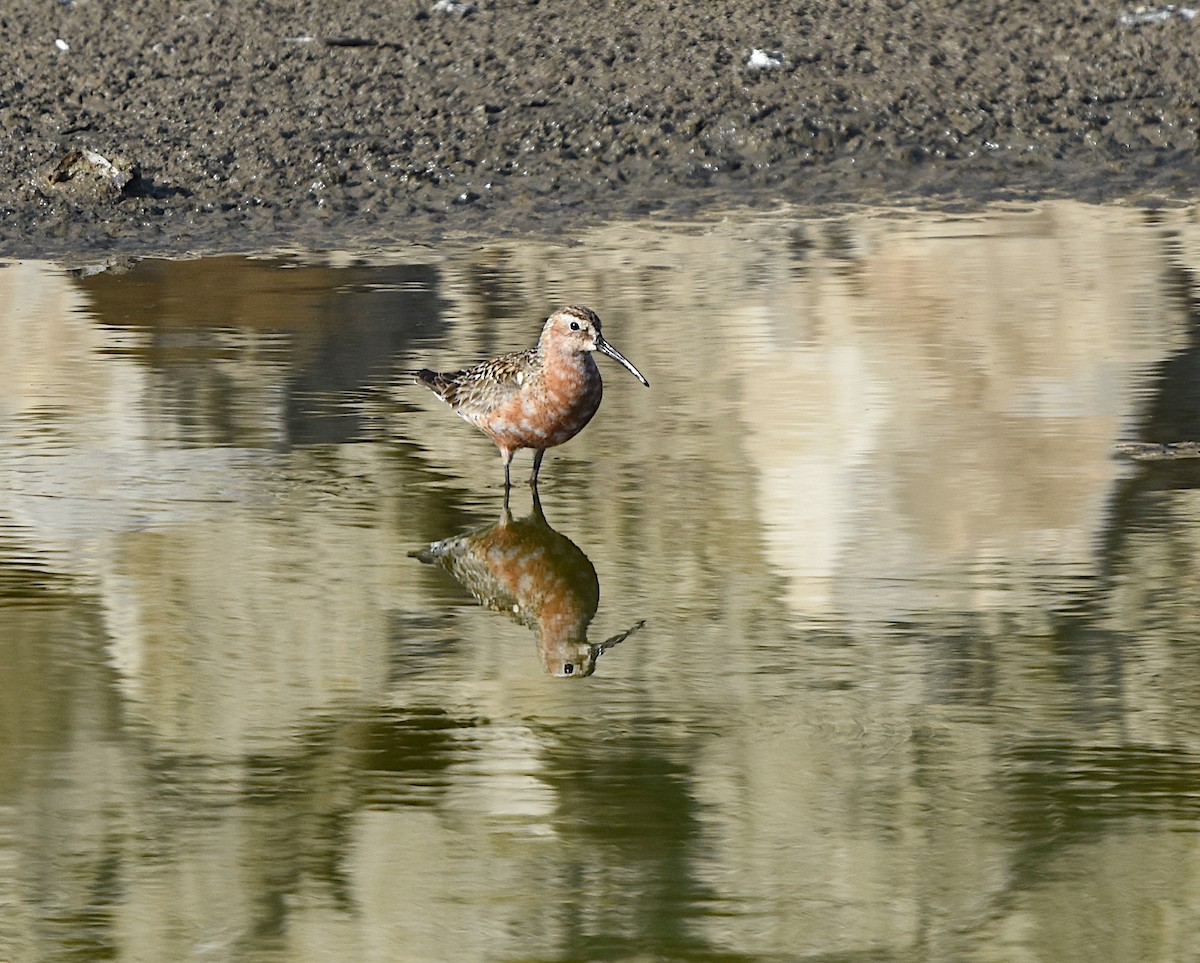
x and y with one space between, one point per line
920 664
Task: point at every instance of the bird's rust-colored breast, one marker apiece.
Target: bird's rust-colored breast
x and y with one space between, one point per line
551 408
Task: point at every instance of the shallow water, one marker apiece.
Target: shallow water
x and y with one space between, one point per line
920 659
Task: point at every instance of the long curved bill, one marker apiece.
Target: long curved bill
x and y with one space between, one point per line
605 348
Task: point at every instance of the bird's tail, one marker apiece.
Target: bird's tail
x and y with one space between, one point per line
435 381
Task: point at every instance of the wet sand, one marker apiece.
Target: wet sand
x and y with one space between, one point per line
225 126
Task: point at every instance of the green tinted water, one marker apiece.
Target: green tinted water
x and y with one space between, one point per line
920 667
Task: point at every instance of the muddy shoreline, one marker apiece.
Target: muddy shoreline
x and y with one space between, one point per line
246 126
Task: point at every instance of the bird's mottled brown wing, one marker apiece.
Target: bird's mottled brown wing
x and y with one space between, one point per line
473 392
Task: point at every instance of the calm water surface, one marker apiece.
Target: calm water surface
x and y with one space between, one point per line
919 672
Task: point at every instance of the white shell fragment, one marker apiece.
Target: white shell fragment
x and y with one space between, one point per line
1143 15
761 60
453 6
117 176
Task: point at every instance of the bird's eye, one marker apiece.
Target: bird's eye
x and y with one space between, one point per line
574 325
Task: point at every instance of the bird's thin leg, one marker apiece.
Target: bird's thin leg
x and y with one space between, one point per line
537 463
506 454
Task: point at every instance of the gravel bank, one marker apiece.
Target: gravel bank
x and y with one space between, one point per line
241 126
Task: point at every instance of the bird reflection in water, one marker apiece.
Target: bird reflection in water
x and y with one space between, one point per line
525 569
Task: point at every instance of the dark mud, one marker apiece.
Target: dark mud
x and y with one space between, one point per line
241 126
